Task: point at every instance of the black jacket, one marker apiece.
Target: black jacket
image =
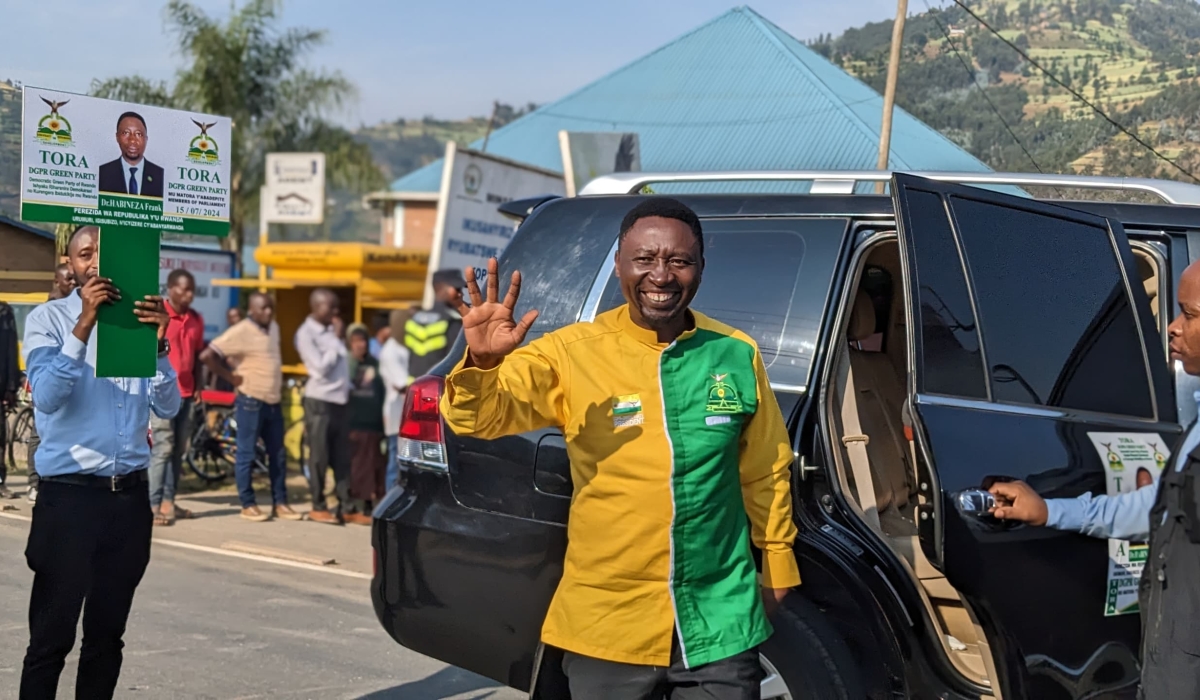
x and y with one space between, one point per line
112 179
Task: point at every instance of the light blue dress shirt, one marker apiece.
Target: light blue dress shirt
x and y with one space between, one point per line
1122 517
88 424
137 177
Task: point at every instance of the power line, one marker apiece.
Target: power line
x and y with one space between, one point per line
971 72
1120 127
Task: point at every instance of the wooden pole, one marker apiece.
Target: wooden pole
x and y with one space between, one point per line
491 122
889 93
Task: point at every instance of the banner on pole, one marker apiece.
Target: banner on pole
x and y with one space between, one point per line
90 161
295 188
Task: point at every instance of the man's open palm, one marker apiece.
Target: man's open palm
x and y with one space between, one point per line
488 324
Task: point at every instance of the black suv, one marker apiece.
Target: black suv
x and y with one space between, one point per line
921 347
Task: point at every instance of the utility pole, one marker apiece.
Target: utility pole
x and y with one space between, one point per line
491 122
889 93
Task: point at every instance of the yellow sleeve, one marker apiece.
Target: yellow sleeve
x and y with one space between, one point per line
765 466
525 392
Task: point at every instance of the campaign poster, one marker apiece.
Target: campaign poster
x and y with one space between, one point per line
86 160
587 155
1131 461
469 227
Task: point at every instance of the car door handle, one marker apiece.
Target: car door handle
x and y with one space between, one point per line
976 503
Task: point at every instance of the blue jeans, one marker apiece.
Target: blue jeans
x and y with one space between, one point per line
257 419
172 436
393 469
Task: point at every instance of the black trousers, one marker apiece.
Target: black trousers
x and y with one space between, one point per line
328 428
735 678
88 549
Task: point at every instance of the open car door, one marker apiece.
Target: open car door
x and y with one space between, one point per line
1033 358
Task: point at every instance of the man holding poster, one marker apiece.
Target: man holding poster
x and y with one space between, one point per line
89 543
1167 516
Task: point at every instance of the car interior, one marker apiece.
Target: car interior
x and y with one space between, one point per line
876 462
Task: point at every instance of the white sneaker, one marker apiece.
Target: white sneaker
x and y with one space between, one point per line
31 495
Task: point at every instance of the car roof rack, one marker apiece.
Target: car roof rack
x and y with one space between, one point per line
844 181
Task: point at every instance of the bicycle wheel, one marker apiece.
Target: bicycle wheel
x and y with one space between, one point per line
207 455
22 432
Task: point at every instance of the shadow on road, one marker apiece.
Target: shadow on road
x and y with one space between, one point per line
446 683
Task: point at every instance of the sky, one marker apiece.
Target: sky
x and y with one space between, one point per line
449 59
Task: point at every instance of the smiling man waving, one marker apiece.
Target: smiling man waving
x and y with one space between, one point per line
674 439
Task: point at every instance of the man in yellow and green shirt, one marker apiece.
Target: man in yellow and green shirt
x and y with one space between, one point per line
674 438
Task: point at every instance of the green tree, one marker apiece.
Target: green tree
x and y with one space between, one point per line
249 68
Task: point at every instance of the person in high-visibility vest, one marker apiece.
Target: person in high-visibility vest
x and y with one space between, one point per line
429 334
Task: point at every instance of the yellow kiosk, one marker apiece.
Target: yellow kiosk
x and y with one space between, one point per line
367 279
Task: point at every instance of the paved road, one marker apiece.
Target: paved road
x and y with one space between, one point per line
208 626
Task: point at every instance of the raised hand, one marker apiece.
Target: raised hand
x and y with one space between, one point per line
488 324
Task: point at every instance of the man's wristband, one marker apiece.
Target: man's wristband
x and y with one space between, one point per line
164 347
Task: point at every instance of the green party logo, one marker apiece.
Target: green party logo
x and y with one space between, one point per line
1114 459
722 397
54 129
203 149
1160 459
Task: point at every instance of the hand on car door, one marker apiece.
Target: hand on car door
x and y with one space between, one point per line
1016 500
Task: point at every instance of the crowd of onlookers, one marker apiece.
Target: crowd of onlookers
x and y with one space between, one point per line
353 396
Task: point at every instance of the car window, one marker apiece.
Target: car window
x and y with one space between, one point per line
1058 324
769 278
559 251
951 362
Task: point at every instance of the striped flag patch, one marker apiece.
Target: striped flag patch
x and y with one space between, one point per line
627 410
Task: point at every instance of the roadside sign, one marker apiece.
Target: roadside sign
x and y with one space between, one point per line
469 228
134 171
295 188
587 155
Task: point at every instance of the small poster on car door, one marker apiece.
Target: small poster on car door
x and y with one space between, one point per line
1131 461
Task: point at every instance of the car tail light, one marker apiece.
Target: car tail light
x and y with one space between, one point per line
420 443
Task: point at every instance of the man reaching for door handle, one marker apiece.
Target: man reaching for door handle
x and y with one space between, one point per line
1166 517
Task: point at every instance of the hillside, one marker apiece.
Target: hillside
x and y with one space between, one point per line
1137 60
404 145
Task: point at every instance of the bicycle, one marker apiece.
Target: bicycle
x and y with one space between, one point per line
212 453
19 424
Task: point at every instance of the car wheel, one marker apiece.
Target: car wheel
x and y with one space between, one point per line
806 658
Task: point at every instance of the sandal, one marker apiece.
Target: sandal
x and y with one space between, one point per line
173 512
163 520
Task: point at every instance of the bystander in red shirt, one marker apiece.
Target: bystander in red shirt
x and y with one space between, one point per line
185 333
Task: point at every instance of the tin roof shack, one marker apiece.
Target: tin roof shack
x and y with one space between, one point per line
27 258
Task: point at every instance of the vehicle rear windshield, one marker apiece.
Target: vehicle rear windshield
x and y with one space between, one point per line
559 252
769 278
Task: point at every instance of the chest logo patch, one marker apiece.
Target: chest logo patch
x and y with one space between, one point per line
627 411
722 397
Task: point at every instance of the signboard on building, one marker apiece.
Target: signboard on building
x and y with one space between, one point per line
85 160
295 188
587 155
469 227
211 302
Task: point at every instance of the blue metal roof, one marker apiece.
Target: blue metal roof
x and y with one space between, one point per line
737 93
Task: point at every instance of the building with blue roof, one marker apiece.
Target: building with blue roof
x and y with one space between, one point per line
737 93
